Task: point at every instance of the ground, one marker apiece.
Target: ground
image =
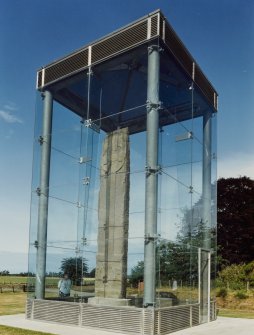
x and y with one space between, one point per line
231 306
14 303
4 330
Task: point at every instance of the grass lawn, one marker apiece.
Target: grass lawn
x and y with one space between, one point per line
17 331
13 280
12 303
236 313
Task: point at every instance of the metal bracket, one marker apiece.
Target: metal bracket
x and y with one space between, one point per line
153 170
90 124
90 72
186 136
152 47
36 244
86 180
149 238
84 240
40 140
190 189
151 105
38 191
84 159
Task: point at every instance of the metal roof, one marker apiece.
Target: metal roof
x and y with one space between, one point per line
143 31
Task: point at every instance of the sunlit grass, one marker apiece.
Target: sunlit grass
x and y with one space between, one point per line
236 313
5 280
12 303
4 330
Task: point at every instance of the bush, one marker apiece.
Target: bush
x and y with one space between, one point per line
241 295
234 276
223 292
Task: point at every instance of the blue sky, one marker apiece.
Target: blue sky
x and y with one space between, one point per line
219 34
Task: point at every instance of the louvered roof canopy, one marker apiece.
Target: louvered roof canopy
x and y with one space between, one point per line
107 77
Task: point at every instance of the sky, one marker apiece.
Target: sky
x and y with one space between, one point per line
219 34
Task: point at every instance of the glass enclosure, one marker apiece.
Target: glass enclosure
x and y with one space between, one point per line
96 211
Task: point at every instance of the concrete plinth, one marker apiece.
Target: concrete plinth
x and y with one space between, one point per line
111 261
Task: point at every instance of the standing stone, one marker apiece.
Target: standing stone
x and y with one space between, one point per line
111 261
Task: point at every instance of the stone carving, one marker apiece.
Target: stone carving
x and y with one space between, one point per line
111 261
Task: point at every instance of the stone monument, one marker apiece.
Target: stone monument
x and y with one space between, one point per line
111 261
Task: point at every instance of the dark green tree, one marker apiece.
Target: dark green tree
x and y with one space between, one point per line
76 268
236 219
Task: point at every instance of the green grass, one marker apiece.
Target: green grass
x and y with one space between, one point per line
9 280
12 303
4 330
12 280
236 313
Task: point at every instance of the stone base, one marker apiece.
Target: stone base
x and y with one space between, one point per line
109 301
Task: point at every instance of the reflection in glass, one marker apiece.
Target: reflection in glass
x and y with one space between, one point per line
96 205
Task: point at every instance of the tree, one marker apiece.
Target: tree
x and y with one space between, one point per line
4 273
174 261
236 219
92 273
137 274
235 215
76 268
237 277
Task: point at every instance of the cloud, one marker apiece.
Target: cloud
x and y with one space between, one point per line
11 106
9 117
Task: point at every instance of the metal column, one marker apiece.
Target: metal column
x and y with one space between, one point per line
152 168
43 195
206 218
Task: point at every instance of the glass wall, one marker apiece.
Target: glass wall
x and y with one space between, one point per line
96 209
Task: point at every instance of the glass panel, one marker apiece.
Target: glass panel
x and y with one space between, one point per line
34 197
96 212
204 277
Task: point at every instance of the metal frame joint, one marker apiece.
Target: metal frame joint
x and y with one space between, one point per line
151 238
153 170
86 180
151 105
40 140
38 191
154 47
90 124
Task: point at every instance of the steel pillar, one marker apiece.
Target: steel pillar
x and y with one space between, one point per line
43 195
151 192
